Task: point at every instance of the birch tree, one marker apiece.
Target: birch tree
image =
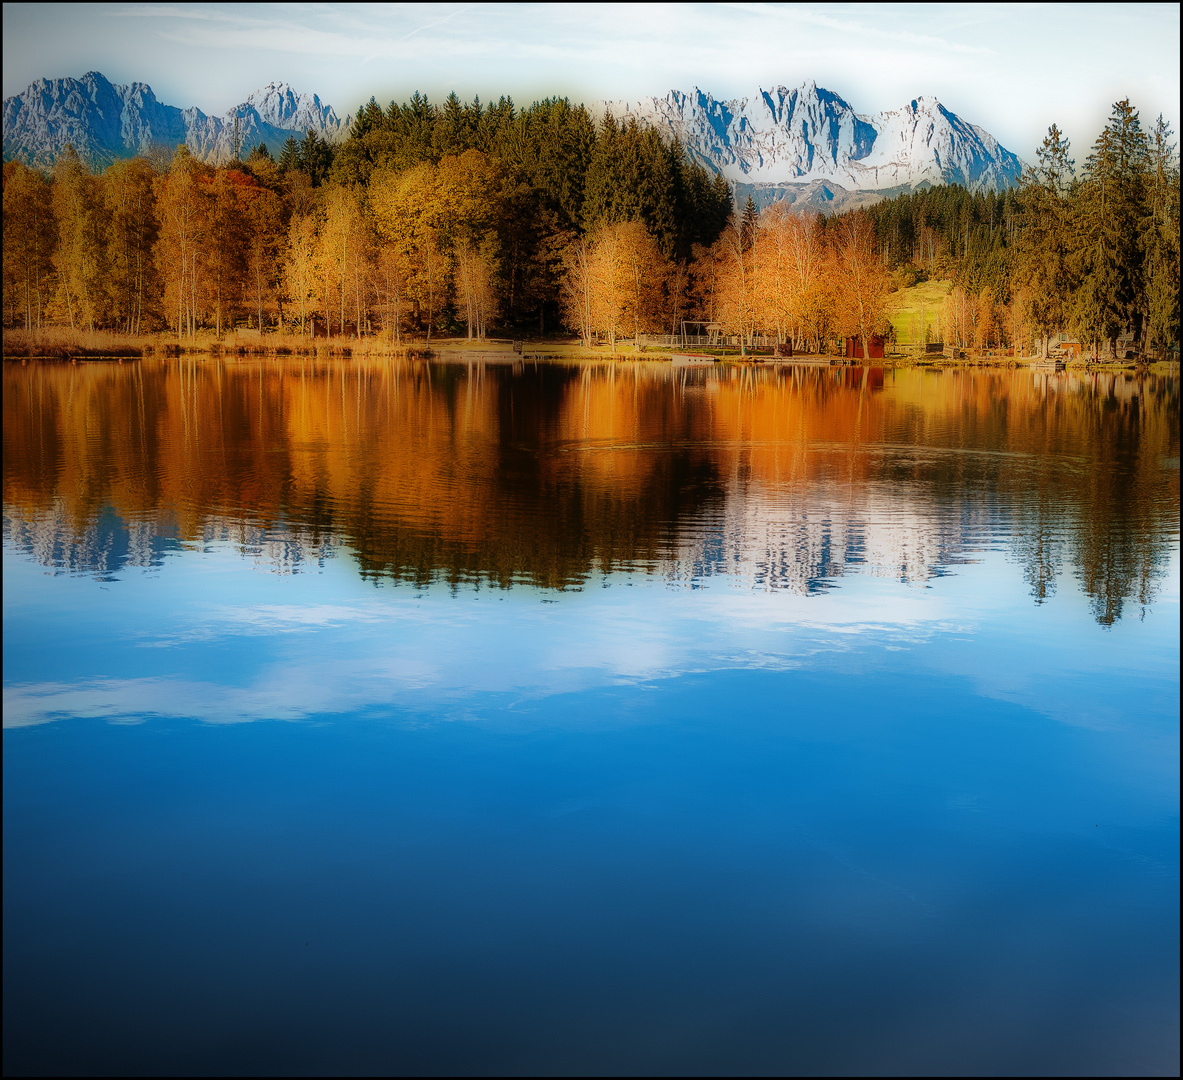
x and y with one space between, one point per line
577 287
860 283
131 225
81 254
180 216
30 236
299 269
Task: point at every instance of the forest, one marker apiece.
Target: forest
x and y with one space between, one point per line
469 219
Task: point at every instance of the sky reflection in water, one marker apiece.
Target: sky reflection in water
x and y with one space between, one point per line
651 721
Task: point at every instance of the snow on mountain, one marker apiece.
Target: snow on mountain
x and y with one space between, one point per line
806 134
806 144
105 121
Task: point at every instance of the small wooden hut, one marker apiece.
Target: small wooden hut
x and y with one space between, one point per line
854 348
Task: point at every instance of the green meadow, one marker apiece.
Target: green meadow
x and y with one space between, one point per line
909 310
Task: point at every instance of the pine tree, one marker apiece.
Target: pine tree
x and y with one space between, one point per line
315 157
1043 257
289 156
1160 239
1112 205
451 134
750 222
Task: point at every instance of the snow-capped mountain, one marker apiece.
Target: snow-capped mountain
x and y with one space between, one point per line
806 145
798 136
105 121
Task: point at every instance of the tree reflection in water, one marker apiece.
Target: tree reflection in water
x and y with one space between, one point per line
551 474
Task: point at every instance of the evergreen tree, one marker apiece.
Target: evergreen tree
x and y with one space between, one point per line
1160 239
315 157
289 156
451 134
1043 256
750 222
1112 212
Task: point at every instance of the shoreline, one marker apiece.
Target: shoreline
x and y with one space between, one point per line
73 347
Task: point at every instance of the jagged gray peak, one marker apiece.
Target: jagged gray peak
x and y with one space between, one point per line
807 133
105 121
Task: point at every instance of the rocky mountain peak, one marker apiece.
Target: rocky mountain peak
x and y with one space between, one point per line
808 135
105 121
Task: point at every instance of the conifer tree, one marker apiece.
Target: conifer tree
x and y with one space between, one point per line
1043 257
1161 239
289 156
749 223
1112 211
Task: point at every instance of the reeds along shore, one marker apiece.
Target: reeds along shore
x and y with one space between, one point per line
60 343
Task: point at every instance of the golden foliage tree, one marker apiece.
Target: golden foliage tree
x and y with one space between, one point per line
860 283
81 251
181 214
30 237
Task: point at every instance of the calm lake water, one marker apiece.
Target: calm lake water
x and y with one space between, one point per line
448 718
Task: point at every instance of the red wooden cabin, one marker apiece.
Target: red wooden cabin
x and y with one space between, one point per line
854 348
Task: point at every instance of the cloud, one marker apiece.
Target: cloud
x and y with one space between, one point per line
797 14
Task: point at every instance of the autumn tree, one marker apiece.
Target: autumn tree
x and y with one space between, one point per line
81 249
608 286
407 213
475 292
30 238
181 214
578 286
227 241
812 289
343 254
735 291
130 212
390 275
265 234
861 284
467 187
644 270
299 275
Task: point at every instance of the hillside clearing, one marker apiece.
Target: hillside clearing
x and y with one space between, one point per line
905 307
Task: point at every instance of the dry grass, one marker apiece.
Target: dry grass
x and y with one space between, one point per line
63 343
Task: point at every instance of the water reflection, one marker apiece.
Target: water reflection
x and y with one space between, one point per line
766 805
785 477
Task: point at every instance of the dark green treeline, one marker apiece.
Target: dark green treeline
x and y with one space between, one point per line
1092 252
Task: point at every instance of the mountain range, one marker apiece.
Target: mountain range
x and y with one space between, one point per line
805 145
105 121
808 145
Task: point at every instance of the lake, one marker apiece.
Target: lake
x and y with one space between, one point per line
370 717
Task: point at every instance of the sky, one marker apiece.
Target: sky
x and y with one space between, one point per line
1012 69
